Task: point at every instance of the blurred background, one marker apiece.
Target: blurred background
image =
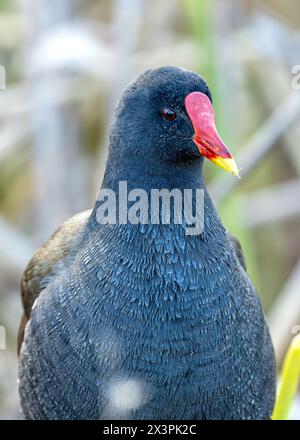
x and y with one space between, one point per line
66 63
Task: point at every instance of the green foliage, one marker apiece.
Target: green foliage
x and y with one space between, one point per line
6 5
289 381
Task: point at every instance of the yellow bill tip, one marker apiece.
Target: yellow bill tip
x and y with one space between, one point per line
228 164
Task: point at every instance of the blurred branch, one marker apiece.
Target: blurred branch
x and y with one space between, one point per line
14 246
280 80
285 313
16 100
265 28
127 14
271 204
10 29
259 145
56 139
11 136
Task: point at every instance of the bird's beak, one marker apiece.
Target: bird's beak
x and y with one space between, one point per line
206 137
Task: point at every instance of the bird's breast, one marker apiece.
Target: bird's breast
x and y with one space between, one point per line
166 307
169 317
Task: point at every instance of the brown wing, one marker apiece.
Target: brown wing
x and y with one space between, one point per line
44 260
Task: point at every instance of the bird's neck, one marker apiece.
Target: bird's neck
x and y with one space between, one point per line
122 176
148 172
157 252
149 265
146 264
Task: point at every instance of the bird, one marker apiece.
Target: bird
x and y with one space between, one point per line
143 320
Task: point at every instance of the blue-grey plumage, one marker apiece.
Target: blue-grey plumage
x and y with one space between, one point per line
145 321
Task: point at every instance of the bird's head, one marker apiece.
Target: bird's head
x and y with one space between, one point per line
166 114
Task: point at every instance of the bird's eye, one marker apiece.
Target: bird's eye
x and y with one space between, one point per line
168 114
